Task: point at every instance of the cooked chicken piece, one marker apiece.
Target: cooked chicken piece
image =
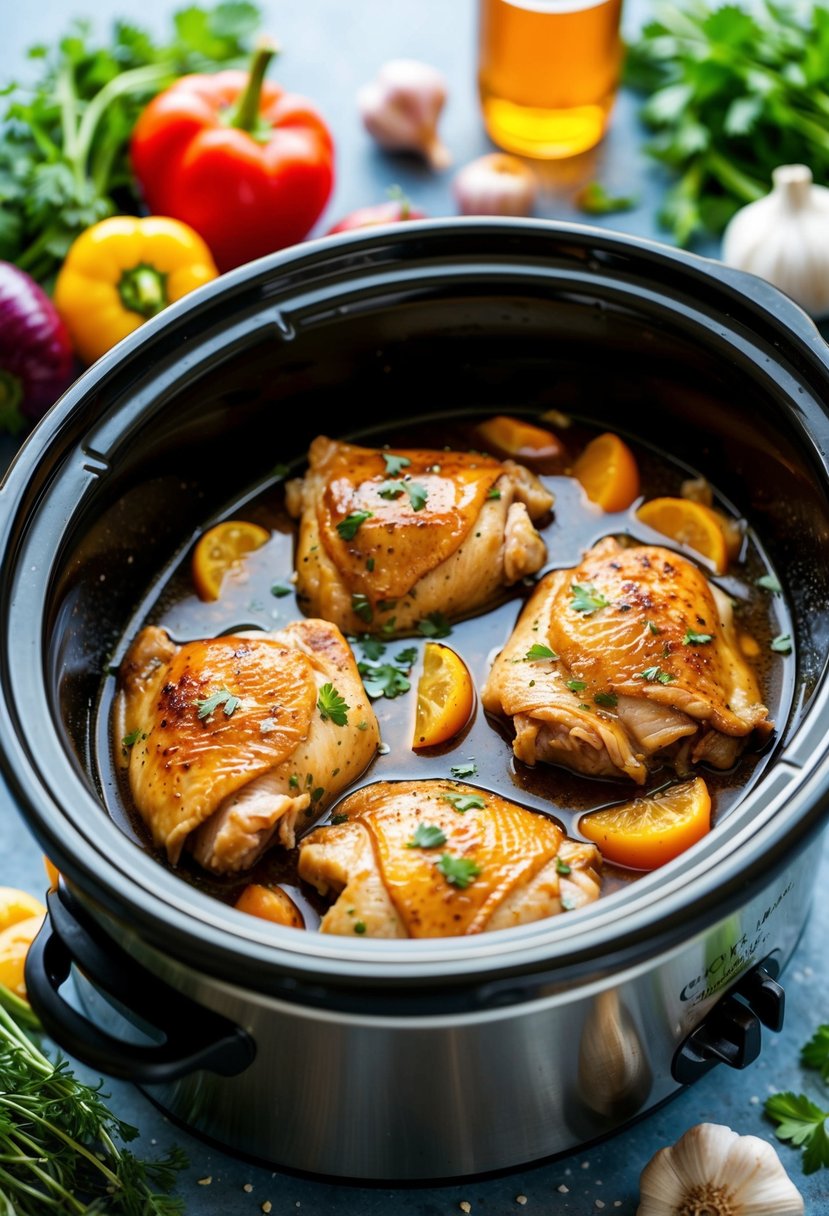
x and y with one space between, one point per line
411 862
387 538
647 664
227 746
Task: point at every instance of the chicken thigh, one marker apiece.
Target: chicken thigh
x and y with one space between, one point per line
440 859
388 538
231 741
642 661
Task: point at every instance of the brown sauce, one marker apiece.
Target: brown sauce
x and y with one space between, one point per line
250 601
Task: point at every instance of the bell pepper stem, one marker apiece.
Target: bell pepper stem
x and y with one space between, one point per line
143 289
245 114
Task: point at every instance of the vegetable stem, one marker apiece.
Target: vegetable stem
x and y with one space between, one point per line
145 79
245 115
143 289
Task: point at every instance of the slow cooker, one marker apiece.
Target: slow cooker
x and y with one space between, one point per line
429 1058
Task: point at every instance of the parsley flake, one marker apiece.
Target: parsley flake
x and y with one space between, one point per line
131 739
494 493
435 625
332 705
458 871
417 493
586 599
782 644
223 697
395 464
383 680
537 651
390 489
348 527
577 685
653 628
655 675
427 836
280 590
464 802
469 769
336 820
692 638
359 926
562 867
361 607
608 699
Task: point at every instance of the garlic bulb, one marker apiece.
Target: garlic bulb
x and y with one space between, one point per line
496 184
784 238
401 107
712 1171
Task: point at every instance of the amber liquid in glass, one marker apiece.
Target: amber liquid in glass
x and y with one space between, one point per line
548 72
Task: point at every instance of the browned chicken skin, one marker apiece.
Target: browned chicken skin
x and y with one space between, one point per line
632 679
439 532
228 782
391 886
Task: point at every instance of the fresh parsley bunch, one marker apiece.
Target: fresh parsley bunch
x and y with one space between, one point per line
64 138
733 92
800 1120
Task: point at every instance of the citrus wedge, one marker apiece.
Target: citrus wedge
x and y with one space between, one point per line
519 438
650 831
14 946
608 472
692 524
220 549
445 696
16 906
270 903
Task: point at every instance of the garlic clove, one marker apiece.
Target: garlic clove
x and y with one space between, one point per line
784 238
400 108
496 184
714 1170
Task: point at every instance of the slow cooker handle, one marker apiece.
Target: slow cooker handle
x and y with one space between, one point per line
194 1037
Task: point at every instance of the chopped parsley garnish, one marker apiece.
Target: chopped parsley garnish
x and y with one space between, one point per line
280 590
293 781
416 492
361 606
577 685
362 725
347 527
406 658
359 926
494 493
395 464
223 697
435 625
464 802
383 680
655 675
562 867
458 871
336 820
390 489
586 598
653 628
373 648
782 644
131 739
608 699
317 793
692 638
427 836
332 705
803 1123
370 564
769 583
469 769
537 651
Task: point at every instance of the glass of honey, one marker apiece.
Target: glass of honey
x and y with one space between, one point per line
548 71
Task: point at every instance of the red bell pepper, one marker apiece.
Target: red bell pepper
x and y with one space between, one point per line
247 165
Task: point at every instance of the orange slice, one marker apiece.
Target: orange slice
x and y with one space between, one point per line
650 831
270 903
518 438
16 906
445 696
52 873
14 946
608 472
692 524
221 549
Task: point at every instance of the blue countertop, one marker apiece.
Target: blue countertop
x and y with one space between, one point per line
329 49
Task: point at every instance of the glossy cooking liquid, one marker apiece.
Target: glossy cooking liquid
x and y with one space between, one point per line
548 72
248 601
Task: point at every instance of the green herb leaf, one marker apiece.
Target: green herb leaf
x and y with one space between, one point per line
223 697
782 644
417 494
816 1052
802 1123
383 680
361 606
131 739
562 867
468 769
587 599
692 638
406 658
281 589
373 648
390 489
427 836
458 871
655 675
336 820
349 526
494 492
595 200
332 705
769 583
359 926
607 699
464 802
653 627
395 464
435 625
577 685
537 651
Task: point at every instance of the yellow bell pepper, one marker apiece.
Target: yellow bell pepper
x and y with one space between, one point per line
14 946
124 270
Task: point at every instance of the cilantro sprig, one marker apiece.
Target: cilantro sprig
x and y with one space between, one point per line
464 802
223 697
332 705
458 871
348 527
395 464
385 679
537 652
800 1121
427 836
586 599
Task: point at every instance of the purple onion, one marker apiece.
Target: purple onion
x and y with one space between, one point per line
36 360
